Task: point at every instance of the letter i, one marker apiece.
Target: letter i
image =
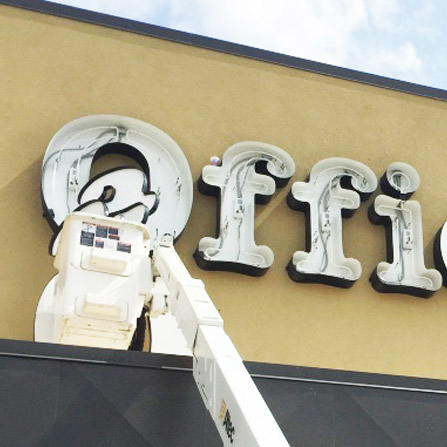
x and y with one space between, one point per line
405 271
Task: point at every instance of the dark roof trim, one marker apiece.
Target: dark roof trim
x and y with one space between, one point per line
259 371
225 47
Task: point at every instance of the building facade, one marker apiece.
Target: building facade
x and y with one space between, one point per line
58 64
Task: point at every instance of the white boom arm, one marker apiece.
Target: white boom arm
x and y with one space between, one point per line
237 408
105 276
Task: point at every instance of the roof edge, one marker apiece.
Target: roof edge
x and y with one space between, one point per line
259 371
82 15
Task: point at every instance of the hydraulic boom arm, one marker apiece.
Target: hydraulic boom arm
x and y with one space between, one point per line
105 277
237 408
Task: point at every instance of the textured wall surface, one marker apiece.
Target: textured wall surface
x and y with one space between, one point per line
54 70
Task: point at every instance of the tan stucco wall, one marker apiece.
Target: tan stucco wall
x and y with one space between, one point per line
55 70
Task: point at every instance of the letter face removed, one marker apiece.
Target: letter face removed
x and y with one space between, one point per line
325 201
405 271
245 177
440 252
159 194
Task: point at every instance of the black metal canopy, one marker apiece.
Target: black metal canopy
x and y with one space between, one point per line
55 395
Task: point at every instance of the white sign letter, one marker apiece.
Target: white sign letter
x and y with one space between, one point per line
239 185
164 180
440 252
324 200
405 271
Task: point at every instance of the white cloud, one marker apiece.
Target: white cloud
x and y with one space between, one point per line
383 13
369 35
318 30
403 59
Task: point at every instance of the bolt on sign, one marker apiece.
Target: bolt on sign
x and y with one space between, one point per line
248 174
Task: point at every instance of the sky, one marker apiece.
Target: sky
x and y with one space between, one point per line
401 39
